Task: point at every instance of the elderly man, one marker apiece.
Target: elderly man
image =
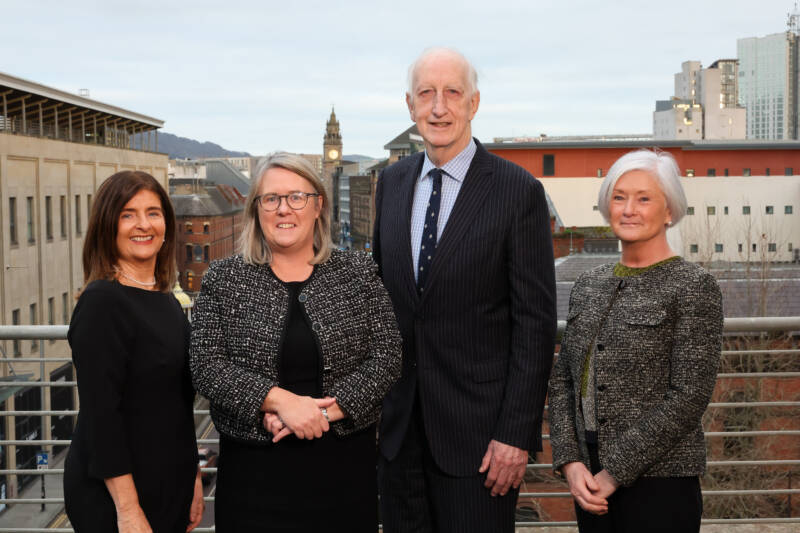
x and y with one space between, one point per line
462 240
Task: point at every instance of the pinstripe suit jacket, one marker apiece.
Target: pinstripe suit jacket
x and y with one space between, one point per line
478 345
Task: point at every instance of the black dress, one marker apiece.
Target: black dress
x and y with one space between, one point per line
326 484
130 349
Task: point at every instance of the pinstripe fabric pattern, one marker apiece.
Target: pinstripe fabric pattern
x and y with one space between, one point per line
455 171
478 344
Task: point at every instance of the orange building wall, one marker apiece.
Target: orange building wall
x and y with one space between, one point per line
584 161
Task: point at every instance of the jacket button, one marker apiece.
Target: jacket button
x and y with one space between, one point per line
316 326
602 421
600 347
601 388
302 298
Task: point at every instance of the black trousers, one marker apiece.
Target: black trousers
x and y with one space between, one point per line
651 504
416 496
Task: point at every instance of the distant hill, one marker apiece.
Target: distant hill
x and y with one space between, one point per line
183 148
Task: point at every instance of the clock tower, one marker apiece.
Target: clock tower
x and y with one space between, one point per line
331 148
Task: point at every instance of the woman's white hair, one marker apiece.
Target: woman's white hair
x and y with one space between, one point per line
252 244
470 73
661 165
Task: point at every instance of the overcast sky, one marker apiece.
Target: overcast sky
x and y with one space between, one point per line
261 76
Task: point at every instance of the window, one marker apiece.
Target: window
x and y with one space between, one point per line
15 322
745 209
548 165
595 208
770 210
718 248
711 210
726 209
727 172
772 247
78 214
690 210
198 253
689 172
788 171
711 172
787 210
12 220
64 308
599 172
206 252
693 248
206 228
88 206
790 247
63 215
189 280
755 247
31 227
51 313
188 226
188 253
48 217
34 321
746 172
740 247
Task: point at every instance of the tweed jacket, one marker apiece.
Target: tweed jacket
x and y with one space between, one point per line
656 357
238 328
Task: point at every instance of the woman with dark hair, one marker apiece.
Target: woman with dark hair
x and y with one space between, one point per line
132 465
637 365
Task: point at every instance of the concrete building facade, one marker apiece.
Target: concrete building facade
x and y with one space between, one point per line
56 148
705 104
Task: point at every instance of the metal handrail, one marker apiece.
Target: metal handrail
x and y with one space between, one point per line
760 324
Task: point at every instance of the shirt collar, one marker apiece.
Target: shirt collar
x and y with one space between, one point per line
457 167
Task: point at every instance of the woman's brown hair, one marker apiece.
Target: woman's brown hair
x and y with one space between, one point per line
100 253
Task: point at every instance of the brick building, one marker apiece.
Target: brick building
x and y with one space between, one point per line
210 219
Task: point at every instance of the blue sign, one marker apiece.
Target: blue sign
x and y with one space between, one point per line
41 461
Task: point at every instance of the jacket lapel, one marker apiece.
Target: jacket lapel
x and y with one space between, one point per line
476 186
406 201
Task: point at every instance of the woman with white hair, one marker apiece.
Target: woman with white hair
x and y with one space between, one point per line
637 365
295 345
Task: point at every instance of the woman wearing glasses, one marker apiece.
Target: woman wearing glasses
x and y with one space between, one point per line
295 345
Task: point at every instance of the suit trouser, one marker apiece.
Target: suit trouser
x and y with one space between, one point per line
651 504
417 496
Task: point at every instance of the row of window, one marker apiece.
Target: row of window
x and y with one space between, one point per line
712 172
30 217
719 248
206 227
768 210
34 319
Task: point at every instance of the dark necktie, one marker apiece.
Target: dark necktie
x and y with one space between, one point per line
428 245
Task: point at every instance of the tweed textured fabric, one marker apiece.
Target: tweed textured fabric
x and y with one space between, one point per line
654 375
238 327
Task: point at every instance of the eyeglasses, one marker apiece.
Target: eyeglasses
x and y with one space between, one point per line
295 200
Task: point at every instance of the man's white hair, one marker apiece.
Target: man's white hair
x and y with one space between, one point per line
471 73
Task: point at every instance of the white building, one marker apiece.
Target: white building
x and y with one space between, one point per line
704 105
752 219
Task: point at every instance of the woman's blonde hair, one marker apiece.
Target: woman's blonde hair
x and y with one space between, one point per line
252 244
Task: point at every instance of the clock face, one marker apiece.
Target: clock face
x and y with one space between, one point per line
333 154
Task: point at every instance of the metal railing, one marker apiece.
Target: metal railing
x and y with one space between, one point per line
732 325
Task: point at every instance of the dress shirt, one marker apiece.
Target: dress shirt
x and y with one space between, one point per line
453 174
